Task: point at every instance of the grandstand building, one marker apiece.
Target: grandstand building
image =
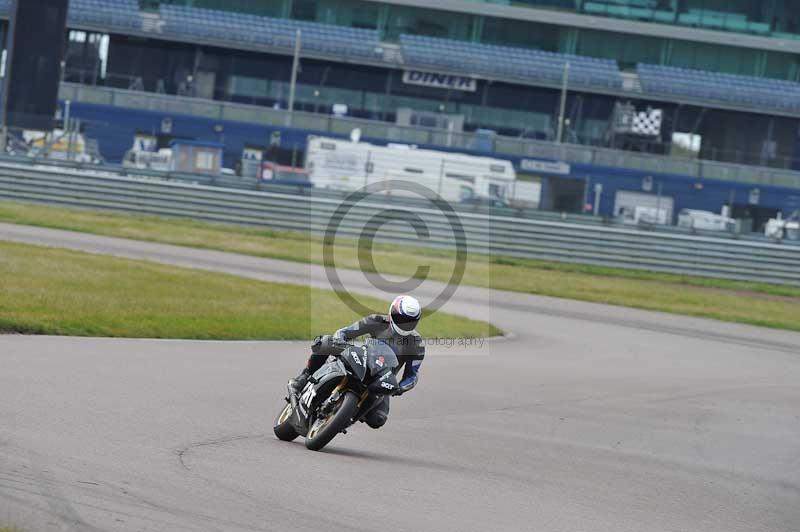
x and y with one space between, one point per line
654 87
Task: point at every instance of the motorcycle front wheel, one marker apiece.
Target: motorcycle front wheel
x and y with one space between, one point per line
323 430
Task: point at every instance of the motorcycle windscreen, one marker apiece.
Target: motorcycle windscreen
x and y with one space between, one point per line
380 357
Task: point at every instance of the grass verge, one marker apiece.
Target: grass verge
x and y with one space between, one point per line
753 303
63 292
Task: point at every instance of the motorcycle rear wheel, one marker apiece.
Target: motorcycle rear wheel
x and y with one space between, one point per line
322 431
282 426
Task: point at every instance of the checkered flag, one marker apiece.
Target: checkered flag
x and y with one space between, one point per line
648 122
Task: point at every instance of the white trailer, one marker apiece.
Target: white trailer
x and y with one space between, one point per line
704 220
347 165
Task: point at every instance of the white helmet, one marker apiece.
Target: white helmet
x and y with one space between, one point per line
404 314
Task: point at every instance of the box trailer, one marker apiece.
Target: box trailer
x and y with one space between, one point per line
347 165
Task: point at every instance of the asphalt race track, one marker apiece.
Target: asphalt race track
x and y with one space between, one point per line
586 418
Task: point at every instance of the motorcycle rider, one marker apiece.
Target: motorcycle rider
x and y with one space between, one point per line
398 330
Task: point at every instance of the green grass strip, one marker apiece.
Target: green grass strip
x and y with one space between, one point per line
63 292
744 302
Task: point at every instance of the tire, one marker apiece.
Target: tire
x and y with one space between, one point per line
333 425
282 426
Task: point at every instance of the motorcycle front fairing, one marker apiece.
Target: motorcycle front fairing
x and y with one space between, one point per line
355 358
380 357
371 366
382 363
351 361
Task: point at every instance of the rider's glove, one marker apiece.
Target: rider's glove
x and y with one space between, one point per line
316 345
407 384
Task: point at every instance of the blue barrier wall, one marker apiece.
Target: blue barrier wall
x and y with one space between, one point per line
688 192
114 128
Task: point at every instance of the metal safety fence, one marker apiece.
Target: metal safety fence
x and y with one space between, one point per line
496 235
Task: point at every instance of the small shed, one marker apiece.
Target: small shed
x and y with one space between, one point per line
196 157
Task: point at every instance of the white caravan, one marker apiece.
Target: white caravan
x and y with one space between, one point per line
347 165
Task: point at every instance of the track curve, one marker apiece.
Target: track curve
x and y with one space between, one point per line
586 417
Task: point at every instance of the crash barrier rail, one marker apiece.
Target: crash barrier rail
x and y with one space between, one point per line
250 183
284 187
500 145
500 236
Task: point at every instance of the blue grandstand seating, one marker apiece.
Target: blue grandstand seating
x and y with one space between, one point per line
114 13
748 91
505 61
354 43
256 29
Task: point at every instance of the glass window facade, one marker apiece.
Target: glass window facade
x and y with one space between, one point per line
263 7
626 49
353 13
429 22
524 34
779 18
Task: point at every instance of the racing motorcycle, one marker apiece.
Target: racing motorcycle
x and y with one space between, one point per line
352 382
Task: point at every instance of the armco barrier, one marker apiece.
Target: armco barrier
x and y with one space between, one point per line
246 183
546 240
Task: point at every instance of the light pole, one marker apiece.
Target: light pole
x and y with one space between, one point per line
293 83
563 108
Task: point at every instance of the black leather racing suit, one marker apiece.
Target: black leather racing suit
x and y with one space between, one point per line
409 350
